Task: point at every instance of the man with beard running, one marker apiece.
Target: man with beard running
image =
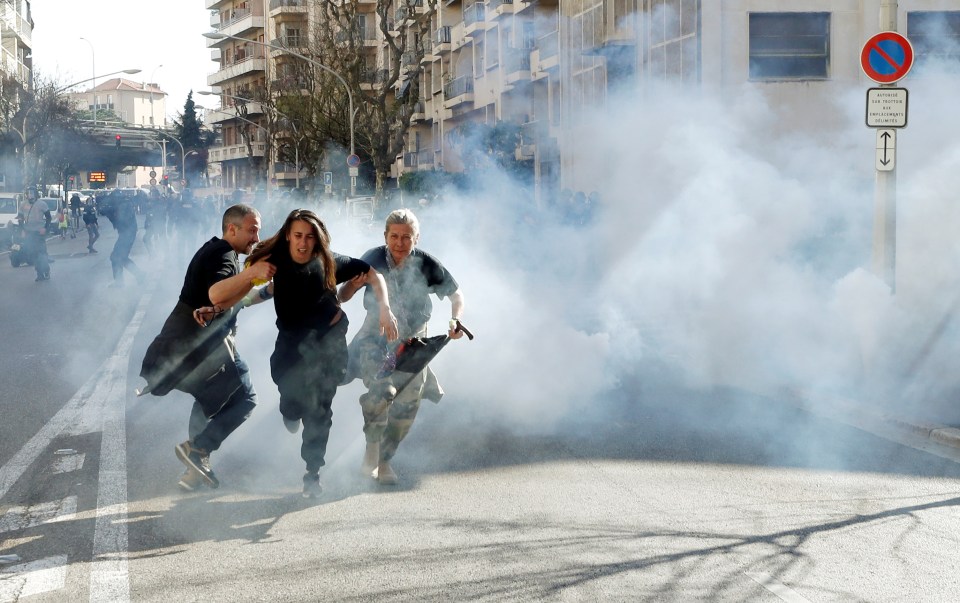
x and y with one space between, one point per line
195 351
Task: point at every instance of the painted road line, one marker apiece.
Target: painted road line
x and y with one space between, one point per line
21 518
33 578
109 574
66 416
68 463
785 593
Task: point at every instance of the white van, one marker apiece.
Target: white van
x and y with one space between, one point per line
9 207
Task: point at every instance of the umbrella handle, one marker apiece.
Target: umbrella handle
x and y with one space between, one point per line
459 327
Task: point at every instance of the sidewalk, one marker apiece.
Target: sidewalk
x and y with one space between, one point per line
935 438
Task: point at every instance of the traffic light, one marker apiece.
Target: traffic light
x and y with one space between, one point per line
118 141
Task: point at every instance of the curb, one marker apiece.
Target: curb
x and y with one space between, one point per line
861 416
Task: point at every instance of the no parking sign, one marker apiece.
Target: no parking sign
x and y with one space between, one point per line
886 57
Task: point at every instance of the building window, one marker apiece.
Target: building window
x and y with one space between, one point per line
673 52
935 37
789 46
478 58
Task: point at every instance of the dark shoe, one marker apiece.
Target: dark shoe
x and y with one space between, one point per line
292 425
311 485
190 480
197 459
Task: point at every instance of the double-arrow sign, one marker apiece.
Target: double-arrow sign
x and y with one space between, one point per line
886 150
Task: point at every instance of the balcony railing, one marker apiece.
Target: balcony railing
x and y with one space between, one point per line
548 45
288 3
408 58
458 87
409 160
375 76
493 4
425 157
237 15
533 131
291 41
443 35
362 34
473 14
516 59
290 81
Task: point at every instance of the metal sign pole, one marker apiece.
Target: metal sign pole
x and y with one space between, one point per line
885 190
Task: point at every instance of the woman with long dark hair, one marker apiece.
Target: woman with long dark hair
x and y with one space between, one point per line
310 357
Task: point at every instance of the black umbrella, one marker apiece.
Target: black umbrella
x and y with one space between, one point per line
414 354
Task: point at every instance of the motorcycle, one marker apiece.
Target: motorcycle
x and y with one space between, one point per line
21 254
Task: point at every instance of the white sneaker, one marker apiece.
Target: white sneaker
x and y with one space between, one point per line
371 458
385 474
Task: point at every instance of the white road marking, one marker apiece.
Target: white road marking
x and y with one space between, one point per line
100 402
21 518
787 594
109 577
68 463
33 578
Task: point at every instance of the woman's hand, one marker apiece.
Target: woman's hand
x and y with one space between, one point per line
388 324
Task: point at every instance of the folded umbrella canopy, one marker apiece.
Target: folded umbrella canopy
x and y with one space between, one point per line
414 354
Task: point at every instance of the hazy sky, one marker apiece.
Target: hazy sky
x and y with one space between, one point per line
125 35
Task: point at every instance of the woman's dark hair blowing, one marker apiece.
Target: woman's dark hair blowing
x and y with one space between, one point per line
321 250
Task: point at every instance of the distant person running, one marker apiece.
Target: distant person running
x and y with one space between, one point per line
195 351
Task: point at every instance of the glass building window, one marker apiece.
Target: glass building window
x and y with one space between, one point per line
935 36
789 46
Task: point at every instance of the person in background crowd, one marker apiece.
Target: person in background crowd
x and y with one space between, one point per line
411 276
195 351
75 207
120 209
36 223
309 360
63 222
92 224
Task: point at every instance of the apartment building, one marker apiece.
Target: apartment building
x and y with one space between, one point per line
243 68
135 103
16 33
16 66
543 64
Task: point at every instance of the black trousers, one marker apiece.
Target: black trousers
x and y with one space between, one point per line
307 370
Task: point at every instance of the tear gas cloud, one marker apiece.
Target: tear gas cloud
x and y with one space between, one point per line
733 252
725 253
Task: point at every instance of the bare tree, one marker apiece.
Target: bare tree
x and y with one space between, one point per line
378 55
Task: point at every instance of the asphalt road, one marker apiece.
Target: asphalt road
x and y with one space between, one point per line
658 493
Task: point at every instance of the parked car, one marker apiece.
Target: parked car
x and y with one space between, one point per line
9 207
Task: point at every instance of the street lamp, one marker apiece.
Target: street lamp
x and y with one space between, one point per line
183 163
93 70
296 148
216 35
150 83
